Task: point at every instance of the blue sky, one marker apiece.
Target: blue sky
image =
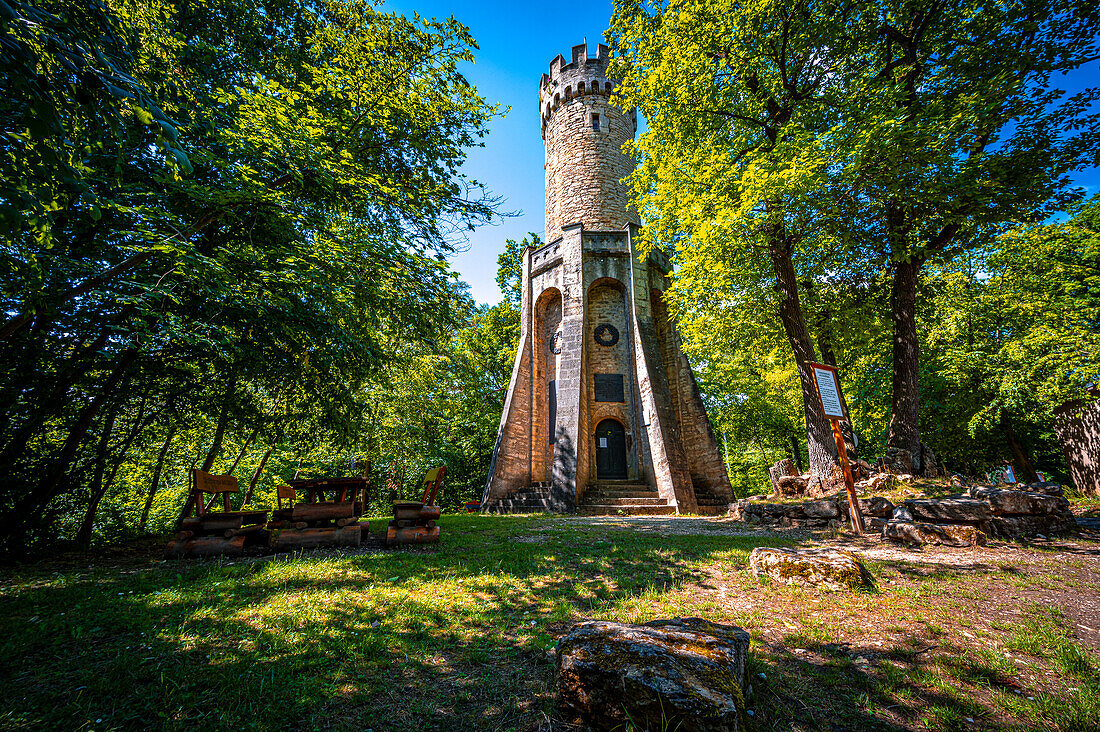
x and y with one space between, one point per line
517 39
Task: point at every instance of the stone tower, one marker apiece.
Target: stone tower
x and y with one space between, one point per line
603 413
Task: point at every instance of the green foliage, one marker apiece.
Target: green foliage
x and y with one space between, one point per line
847 140
249 291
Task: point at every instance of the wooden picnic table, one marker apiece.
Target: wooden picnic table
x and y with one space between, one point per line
338 489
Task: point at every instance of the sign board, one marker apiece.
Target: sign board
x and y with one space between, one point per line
828 390
609 388
603 442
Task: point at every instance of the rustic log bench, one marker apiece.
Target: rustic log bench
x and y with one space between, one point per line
204 531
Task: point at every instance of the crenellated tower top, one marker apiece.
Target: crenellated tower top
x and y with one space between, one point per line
584 134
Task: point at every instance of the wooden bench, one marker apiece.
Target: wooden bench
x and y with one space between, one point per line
209 531
413 522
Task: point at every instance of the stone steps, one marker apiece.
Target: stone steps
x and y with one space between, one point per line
588 509
617 498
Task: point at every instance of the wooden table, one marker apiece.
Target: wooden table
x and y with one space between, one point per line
337 488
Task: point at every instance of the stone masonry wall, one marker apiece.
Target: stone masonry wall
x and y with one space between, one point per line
606 304
584 164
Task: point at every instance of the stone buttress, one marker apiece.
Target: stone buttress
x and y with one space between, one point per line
603 414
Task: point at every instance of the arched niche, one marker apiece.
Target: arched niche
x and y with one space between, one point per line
547 359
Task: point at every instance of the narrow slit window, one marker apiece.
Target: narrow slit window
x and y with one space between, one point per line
595 121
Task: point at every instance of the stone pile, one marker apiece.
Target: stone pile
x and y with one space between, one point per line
963 519
966 519
822 514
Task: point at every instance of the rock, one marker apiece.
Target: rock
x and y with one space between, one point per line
948 510
1050 489
684 674
872 506
1010 502
874 483
790 485
829 568
901 513
914 532
821 509
905 478
898 461
1020 526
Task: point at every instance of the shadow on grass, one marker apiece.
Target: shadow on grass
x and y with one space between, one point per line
452 638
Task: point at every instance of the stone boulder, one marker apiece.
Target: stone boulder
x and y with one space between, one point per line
1012 502
948 510
829 568
915 532
1047 488
1013 527
684 674
874 506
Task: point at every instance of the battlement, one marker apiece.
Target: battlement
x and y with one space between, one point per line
582 76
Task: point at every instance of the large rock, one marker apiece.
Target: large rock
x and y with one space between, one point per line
681 674
914 532
873 506
1018 526
948 510
821 509
1010 502
1050 489
829 568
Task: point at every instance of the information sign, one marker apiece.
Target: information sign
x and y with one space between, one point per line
828 389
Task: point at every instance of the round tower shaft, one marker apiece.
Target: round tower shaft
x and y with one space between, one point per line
584 136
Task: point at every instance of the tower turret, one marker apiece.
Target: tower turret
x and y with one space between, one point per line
584 135
603 414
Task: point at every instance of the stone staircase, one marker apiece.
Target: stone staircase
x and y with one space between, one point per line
617 498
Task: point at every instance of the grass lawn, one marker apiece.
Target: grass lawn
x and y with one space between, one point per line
460 636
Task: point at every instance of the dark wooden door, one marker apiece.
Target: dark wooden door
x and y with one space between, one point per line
610 450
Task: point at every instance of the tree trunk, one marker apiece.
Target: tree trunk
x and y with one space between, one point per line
156 476
219 433
819 434
905 406
84 534
244 449
796 454
51 482
1027 470
256 476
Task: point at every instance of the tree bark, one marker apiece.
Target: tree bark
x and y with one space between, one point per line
256 476
156 476
905 400
84 534
50 485
219 432
1027 470
819 434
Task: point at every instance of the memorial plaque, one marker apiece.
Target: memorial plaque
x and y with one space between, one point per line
609 388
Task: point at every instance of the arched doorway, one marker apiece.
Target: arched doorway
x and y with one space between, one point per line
610 450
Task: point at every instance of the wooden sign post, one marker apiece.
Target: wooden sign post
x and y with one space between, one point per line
832 403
